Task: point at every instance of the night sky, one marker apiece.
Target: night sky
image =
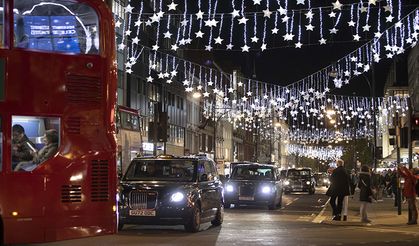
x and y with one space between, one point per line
283 65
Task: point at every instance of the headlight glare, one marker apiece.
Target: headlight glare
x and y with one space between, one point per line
266 189
177 197
308 182
229 188
286 182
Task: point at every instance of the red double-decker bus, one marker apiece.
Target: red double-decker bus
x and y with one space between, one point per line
57 109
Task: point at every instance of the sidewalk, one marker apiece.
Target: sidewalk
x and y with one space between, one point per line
381 213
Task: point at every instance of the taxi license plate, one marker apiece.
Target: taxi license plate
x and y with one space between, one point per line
246 198
147 213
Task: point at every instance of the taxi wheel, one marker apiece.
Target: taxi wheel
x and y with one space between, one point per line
194 222
219 217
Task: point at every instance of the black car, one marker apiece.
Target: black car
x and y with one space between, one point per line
299 180
322 179
253 184
171 191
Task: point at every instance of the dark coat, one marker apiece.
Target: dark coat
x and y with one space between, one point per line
364 185
339 183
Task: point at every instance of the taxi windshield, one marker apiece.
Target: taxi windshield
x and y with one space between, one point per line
298 173
161 170
252 173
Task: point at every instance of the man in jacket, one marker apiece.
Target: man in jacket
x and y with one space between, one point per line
339 188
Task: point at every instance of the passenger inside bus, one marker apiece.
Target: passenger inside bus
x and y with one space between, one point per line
50 148
22 147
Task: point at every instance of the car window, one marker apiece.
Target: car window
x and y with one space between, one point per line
56 26
161 170
252 172
298 173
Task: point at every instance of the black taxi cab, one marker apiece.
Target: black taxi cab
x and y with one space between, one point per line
169 190
254 184
300 180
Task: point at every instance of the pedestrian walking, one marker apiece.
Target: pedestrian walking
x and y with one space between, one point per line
365 193
339 188
409 191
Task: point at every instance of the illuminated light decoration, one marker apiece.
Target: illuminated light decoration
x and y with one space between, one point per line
315 152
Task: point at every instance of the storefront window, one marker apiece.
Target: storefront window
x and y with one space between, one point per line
34 141
56 25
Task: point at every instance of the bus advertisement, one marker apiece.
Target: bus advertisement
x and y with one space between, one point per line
58 147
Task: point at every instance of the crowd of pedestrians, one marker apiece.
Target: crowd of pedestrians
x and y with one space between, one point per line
372 186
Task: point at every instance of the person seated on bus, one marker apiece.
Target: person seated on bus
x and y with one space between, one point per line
50 148
22 147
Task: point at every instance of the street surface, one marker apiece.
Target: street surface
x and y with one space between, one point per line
298 222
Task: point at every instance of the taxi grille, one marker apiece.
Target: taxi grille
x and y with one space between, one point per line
246 190
142 199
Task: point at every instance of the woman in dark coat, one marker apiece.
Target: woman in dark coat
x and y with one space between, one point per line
365 193
339 188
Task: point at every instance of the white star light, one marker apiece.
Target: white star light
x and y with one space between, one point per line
333 30
200 15
309 27
155 18
256 2
175 47
366 28
128 9
245 48
275 30
138 23
167 34
263 47
135 40
389 18
378 35
351 23
199 34
387 8
255 39
337 5
121 46
230 46
285 19
172 6
288 36
211 23
372 2
149 79
218 40
267 13
243 20
300 2
128 32
282 11
208 48
235 13
160 14
309 15
322 41
363 9
332 14
298 45
118 23
184 22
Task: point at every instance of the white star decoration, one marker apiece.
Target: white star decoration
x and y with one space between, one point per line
337 5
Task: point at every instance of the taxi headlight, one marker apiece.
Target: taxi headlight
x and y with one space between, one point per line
325 180
229 188
286 182
266 189
177 197
308 182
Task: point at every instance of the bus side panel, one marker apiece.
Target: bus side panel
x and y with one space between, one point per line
29 211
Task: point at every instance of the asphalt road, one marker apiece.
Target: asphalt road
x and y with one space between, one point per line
293 224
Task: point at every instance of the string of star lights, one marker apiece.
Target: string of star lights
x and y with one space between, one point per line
315 152
310 112
280 30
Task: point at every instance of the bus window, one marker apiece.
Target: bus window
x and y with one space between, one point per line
34 140
1 23
56 25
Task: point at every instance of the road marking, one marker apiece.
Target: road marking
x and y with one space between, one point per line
319 218
289 203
